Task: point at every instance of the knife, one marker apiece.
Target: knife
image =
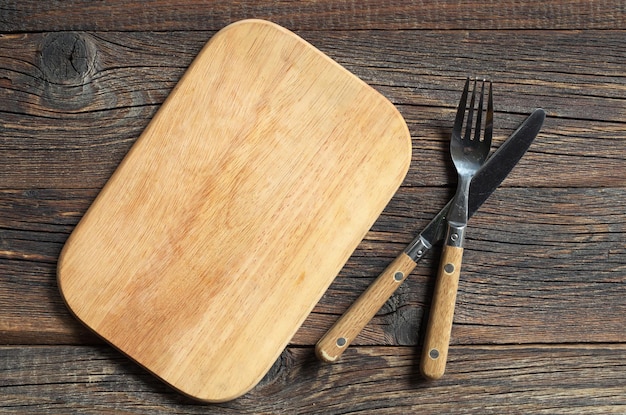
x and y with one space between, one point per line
336 340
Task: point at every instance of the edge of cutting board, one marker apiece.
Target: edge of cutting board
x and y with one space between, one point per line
110 299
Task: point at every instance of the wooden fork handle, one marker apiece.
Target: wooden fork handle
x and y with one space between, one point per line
437 340
336 340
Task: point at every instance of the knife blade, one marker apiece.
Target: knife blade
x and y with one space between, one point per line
337 339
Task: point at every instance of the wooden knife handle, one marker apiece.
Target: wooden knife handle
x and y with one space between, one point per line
437 340
343 332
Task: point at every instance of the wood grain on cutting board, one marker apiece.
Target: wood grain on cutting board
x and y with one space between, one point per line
234 210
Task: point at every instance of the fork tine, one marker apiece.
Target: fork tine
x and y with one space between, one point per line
479 114
489 120
470 114
460 112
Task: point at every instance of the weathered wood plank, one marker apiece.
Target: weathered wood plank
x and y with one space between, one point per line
536 269
33 15
487 380
50 74
80 80
65 124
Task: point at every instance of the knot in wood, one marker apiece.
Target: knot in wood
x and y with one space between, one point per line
66 58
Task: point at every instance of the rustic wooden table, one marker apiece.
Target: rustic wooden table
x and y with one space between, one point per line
539 325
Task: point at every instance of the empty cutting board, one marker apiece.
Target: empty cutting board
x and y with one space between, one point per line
234 210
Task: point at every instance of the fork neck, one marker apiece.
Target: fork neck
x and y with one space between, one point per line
457 215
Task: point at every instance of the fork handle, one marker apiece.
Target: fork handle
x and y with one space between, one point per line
437 340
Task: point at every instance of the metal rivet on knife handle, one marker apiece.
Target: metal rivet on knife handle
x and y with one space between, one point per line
343 332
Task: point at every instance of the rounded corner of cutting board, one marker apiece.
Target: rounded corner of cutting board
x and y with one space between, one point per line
70 297
61 274
407 152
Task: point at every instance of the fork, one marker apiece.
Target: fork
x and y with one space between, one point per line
468 154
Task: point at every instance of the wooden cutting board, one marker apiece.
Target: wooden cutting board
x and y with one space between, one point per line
234 210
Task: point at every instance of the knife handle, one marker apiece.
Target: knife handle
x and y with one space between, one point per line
343 332
437 340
